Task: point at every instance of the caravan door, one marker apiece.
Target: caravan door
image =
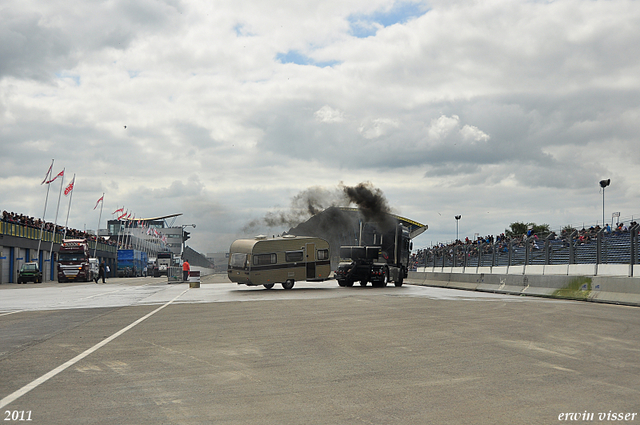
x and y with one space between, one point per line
310 252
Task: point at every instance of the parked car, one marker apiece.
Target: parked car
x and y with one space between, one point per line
30 272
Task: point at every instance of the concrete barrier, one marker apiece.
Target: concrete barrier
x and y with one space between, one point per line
582 270
534 269
517 270
609 289
623 270
499 270
621 290
556 269
484 270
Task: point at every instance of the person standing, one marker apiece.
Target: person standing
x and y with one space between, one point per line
101 273
186 268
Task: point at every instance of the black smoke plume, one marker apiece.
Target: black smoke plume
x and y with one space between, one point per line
372 204
370 201
303 206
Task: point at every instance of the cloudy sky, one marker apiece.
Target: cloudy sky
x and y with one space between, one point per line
498 110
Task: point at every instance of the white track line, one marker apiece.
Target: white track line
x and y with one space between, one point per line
44 378
11 312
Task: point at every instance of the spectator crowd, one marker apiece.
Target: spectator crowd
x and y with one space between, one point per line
36 223
502 242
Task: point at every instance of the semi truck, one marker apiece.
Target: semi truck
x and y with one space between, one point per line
162 264
74 263
381 258
132 263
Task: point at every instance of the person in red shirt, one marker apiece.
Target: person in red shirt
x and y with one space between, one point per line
185 270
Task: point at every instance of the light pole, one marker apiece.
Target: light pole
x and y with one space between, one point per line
603 184
458 217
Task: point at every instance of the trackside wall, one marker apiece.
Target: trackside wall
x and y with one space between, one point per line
600 288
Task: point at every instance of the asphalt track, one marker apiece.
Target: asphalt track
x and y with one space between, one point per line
140 351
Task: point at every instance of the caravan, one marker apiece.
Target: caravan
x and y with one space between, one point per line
267 261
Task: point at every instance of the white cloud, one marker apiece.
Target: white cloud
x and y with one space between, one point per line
492 100
327 114
375 128
473 134
449 129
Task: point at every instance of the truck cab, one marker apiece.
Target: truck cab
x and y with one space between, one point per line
73 261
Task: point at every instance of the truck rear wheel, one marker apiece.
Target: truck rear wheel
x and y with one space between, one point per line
385 279
399 282
342 282
288 284
363 282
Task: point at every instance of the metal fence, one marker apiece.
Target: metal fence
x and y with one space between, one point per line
604 248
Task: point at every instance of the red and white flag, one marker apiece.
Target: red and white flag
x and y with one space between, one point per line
48 174
69 188
60 174
118 210
123 215
99 200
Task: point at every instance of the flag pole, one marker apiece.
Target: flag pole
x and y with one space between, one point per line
66 223
98 229
55 222
119 239
46 199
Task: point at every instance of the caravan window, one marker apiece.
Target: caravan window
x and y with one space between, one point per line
238 259
323 254
293 256
262 259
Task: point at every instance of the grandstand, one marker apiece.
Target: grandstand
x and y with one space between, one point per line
597 247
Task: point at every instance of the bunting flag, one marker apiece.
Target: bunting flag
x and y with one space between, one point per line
98 203
69 188
118 210
48 174
60 174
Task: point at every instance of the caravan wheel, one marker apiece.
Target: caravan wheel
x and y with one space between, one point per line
268 285
288 284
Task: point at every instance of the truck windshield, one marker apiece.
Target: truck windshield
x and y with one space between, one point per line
70 256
